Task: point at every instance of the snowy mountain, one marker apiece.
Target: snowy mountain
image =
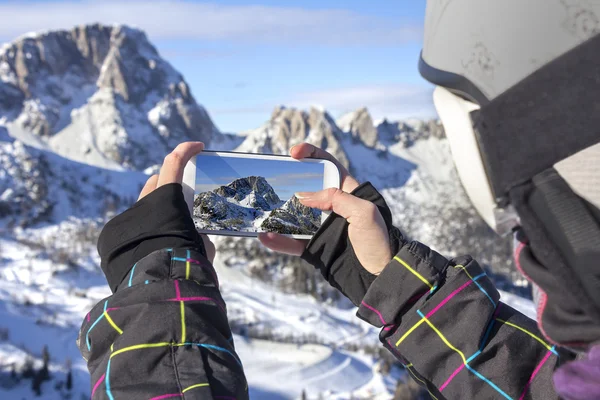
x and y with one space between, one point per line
83 111
251 204
289 126
411 164
253 191
293 218
97 94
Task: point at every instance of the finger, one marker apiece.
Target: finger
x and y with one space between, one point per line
149 186
346 205
282 244
307 150
209 247
174 163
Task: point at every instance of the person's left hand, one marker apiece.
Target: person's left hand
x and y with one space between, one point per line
367 229
172 172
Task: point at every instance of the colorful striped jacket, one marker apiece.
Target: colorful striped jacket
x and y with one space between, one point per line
164 332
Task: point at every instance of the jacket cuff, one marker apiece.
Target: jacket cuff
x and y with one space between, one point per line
331 252
159 220
413 273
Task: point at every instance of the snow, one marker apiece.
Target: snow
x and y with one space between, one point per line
60 189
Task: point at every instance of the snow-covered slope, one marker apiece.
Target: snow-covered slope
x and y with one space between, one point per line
91 106
97 94
411 163
38 186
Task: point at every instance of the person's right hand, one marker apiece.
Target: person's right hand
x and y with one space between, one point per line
367 231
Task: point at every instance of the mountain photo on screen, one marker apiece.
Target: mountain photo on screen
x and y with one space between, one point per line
255 195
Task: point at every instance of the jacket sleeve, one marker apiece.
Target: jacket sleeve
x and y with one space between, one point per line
164 332
443 320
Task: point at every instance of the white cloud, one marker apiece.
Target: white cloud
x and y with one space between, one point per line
392 101
210 21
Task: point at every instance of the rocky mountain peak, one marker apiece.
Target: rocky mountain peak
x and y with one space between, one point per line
293 217
253 191
290 126
408 132
360 126
98 94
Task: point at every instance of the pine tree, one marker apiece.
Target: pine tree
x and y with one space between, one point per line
69 383
13 373
69 380
36 383
28 371
44 374
303 394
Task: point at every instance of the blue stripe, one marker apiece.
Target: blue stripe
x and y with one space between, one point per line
486 380
481 288
131 275
213 347
147 281
107 382
478 352
87 337
487 333
178 259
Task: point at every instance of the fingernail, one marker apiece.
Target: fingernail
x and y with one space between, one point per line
304 195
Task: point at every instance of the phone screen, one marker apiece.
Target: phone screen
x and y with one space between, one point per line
255 195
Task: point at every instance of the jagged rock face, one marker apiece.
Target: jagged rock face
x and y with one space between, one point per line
98 94
235 206
293 218
408 134
360 125
23 184
289 126
38 186
253 191
213 211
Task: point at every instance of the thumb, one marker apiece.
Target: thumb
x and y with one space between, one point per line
344 204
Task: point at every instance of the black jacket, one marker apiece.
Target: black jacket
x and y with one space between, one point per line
164 331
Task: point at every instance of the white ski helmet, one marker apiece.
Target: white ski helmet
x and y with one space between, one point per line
518 92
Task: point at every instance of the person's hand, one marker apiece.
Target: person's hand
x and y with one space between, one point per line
367 230
172 172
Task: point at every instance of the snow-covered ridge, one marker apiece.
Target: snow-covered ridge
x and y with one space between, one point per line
98 94
251 205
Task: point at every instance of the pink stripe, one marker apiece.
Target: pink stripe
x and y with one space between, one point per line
416 297
166 396
452 377
112 309
447 299
198 299
98 384
177 292
543 297
535 372
88 317
376 312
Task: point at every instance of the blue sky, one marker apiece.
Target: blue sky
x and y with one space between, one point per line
243 58
286 177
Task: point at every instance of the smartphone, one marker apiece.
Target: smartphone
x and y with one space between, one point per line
241 194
